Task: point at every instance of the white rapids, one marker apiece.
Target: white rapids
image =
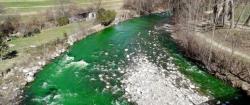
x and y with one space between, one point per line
147 84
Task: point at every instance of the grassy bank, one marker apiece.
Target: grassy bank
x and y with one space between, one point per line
21 45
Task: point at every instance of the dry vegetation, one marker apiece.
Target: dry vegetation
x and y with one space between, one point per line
146 6
217 50
210 31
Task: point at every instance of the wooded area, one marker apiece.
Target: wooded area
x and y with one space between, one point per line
210 31
224 21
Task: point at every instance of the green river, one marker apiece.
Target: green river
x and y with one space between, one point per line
89 73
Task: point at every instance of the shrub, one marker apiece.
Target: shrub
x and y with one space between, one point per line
10 25
105 17
10 55
65 34
3 45
62 21
36 31
28 34
31 32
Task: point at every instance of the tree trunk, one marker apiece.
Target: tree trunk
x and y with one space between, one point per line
247 21
231 12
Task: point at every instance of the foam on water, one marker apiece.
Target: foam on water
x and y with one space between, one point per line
67 59
78 64
48 98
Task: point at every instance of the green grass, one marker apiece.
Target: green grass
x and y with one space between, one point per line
37 5
21 0
37 9
23 44
46 36
26 6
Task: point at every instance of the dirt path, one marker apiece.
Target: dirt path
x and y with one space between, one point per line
218 45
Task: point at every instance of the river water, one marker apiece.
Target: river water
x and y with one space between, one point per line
110 66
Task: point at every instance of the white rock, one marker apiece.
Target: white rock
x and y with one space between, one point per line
192 86
4 88
145 85
29 79
25 70
218 102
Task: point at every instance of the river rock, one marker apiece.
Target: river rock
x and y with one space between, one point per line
4 88
29 78
144 84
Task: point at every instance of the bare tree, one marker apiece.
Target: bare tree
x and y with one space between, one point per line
97 4
62 6
224 11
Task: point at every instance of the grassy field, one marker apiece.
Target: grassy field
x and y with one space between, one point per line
22 45
29 6
46 36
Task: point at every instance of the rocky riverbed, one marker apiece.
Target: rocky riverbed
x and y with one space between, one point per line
147 84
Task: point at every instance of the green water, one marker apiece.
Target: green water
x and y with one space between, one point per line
90 72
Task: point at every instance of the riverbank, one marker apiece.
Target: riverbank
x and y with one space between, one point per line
225 61
113 68
23 73
147 84
15 79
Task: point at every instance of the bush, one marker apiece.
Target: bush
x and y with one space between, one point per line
62 21
10 55
3 45
36 31
10 25
105 17
31 32
28 34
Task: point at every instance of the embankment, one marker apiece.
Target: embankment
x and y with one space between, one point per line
219 61
15 79
21 74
